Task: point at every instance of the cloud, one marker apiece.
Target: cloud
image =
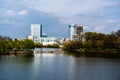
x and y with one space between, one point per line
112 21
100 28
87 28
58 14
23 12
69 8
6 21
10 13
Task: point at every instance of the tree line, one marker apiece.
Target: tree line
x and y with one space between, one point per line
7 44
95 42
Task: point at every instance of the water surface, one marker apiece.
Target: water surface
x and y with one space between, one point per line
58 67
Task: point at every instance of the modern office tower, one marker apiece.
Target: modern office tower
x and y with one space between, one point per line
36 32
75 32
72 31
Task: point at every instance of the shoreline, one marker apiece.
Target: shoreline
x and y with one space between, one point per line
102 54
17 52
88 53
31 52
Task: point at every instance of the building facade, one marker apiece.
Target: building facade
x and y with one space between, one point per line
45 40
38 36
79 32
72 31
36 32
75 32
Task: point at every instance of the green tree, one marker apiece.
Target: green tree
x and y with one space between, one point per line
88 44
28 44
95 39
5 44
55 45
118 33
118 43
38 45
72 46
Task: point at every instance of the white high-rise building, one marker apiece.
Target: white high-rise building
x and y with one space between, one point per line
72 31
36 32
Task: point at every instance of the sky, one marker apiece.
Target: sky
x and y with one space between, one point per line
16 16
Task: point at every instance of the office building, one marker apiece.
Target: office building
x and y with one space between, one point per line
45 40
72 31
75 32
36 32
79 32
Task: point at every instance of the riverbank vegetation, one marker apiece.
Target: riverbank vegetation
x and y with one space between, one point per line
96 44
8 45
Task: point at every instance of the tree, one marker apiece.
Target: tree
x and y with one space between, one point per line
88 44
95 40
118 43
72 46
5 44
55 45
118 33
28 44
38 45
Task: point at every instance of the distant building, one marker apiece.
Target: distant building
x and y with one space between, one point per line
45 40
72 31
79 32
61 41
38 36
49 41
36 32
75 32
29 37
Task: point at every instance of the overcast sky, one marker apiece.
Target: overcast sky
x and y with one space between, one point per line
16 16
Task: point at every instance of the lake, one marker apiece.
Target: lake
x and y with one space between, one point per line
48 66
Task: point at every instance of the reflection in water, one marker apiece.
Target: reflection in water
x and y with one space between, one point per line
58 67
47 55
38 51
